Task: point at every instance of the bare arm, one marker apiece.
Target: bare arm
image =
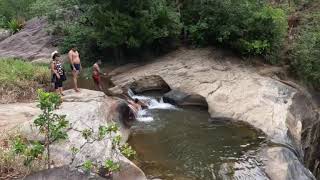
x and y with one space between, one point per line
71 59
54 70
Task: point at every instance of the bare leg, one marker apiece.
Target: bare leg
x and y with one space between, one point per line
100 87
61 91
75 81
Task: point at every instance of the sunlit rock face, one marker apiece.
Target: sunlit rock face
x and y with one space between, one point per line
89 109
234 90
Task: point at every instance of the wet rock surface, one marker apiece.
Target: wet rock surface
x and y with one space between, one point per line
236 91
179 98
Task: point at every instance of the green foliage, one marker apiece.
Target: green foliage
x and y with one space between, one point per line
90 136
19 80
19 146
86 134
127 151
15 25
52 9
14 72
87 165
30 152
51 124
111 166
251 27
116 141
34 151
74 150
306 51
120 26
14 9
104 130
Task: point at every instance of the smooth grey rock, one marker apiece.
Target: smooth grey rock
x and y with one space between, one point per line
179 98
31 43
148 83
123 69
88 110
61 173
282 163
239 92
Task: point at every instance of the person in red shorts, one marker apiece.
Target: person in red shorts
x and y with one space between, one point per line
96 72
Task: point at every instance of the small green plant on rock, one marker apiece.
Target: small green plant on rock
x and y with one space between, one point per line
109 166
87 165
15 25
127 151
52 125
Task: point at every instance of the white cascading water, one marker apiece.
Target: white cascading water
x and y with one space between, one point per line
153 103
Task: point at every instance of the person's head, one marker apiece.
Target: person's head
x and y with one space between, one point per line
55 55
99 62
136 100
74 48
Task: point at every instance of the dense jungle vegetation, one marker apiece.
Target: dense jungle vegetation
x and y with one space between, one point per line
117 29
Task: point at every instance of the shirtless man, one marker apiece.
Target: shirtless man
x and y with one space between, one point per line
75 65
96 72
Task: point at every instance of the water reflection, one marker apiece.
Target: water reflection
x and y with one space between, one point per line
183 144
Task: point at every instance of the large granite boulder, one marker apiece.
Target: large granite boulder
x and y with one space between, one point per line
60 173
149 83
90 109
33 42
235 91
123 69
179 98
140 85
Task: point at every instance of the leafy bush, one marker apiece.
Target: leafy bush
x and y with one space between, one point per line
251 27
306 52
13 9
15 25
52 125
12 165
118 27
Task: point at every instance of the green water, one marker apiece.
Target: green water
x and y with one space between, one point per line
185 144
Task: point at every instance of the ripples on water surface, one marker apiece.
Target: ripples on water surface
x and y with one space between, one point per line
183 144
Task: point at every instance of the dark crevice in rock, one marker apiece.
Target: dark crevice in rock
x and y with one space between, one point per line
183 99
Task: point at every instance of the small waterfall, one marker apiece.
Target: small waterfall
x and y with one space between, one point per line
153 103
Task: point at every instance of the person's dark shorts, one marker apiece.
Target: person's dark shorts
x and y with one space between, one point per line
58 83
77 66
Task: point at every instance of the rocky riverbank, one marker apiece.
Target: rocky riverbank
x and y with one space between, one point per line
235 91
88 109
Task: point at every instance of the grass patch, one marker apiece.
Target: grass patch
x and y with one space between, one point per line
19 79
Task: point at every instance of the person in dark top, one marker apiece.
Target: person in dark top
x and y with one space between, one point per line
58 74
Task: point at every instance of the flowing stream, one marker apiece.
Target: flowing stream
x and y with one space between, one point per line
174 143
